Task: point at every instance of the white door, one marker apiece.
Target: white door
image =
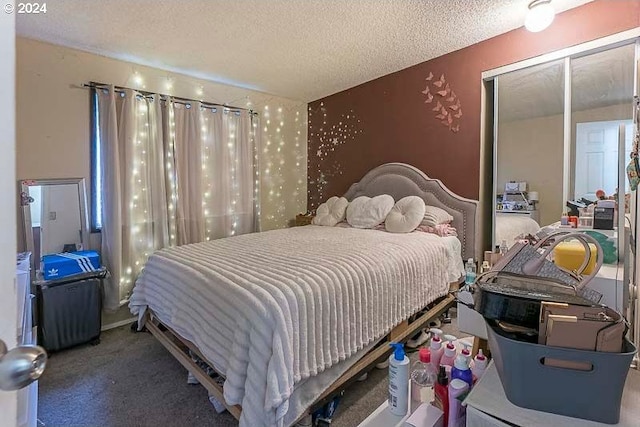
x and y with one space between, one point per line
597 157
8 302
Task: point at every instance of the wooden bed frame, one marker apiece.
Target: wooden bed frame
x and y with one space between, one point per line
398 180
180 347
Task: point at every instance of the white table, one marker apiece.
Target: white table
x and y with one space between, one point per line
487 406
382 417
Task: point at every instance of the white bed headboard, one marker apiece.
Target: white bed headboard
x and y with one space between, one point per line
400 180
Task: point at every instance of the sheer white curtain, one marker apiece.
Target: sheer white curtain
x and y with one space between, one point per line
188 161
215 160
135 219
172 173
229 180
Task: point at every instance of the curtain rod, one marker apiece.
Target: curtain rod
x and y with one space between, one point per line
177 99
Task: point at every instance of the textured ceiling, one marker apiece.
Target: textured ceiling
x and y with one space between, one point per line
597 80
300 49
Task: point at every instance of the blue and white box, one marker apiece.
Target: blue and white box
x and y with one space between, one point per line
58 266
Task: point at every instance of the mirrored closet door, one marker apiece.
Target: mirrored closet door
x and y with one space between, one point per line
558 142
563 130
530 144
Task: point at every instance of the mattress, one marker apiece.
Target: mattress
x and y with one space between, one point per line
271 310
511 226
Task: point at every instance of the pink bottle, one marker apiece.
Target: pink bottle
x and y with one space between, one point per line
436 348
449 355
480 363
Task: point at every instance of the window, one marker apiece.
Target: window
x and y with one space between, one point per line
96 166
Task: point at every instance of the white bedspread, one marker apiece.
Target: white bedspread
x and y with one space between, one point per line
510 226
271 309
455 263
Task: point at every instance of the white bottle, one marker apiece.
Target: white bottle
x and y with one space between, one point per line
470 275
436 348
504 248
398 380
467 353
485 267
480 363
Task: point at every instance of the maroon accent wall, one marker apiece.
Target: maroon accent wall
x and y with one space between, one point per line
387 119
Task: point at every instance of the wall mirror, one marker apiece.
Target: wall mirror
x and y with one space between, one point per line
563 131
55 216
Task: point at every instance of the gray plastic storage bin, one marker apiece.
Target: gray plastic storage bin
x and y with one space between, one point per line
593 395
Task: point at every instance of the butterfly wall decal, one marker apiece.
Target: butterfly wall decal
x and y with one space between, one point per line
444 92
448 109
429 98
452 97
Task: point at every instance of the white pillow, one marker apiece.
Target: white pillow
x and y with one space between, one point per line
367 212
331 212
434 216
405 215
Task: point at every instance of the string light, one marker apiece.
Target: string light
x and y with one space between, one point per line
137 78
328 139
275 178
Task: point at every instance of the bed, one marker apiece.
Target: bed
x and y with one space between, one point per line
511 226
290 317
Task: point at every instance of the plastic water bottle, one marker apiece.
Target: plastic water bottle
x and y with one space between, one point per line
504 248
470 276
423 376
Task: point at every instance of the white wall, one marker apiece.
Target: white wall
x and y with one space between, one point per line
62 201
53 127
8 295
531 150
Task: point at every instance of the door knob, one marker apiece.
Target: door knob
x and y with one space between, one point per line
20 366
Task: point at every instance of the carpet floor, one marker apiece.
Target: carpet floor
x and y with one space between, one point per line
129 379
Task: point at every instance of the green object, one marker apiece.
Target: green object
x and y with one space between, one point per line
610 254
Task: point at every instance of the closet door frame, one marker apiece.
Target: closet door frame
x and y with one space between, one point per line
568 54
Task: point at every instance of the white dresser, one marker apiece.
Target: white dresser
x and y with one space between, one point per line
28 396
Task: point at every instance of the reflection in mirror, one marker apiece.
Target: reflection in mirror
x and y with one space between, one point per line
550 155
529 150
54 216
601 101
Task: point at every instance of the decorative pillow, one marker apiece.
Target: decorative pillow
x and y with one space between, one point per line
367 212
331 212
442 230
434 216
405 215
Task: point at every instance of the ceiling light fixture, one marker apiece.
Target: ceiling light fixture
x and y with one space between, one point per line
540 15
